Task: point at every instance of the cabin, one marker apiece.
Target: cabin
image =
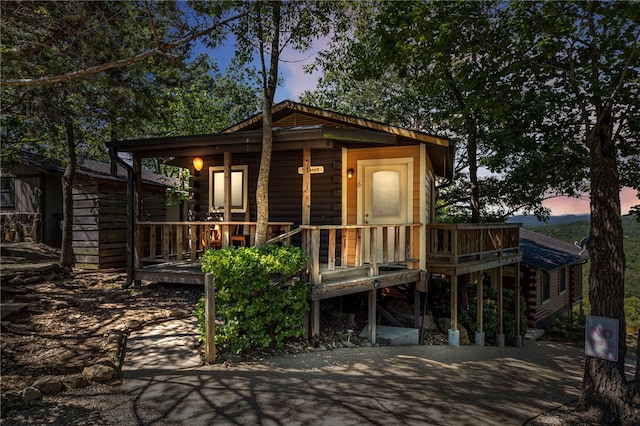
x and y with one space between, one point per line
357 195
32 207
551 276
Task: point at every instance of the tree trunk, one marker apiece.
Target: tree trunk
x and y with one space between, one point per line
604 386
262 191
67 257
269 84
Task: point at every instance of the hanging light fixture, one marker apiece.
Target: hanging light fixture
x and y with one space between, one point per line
198 163
350 174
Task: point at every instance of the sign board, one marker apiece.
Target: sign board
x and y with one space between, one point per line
314 170
601 337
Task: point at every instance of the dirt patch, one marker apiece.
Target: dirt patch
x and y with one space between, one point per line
65 323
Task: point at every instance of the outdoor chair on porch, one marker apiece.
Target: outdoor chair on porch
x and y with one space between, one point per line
238 238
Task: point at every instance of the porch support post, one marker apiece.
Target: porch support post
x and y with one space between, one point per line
227 199
500 335
479 334
454 333
138 245
306 186
210 318
517 303
310 240
372 316
315 320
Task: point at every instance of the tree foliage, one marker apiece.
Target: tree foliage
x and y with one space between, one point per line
438 73
71 117
545 95
265 30
587 56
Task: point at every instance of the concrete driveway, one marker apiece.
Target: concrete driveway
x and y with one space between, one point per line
409 385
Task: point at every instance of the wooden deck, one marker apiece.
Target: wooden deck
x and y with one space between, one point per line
343 259
462 248
338 262
171 253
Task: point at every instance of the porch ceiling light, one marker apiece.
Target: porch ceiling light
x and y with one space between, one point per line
350 174
198 163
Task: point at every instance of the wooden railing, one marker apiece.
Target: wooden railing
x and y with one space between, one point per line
455 243
342 247
165 241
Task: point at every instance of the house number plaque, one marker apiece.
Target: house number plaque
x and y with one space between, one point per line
314 170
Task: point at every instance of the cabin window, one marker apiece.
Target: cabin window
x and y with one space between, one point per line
7 192
563 280
238 189
546 286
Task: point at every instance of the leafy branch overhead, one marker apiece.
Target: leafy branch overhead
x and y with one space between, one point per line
161 47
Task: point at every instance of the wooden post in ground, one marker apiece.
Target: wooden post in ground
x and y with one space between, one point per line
480 302
517 303
210 318
500 335
372 316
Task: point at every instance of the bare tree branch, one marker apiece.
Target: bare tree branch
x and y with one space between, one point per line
74 75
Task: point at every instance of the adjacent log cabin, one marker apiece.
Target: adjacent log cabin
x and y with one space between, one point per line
356 194
32 207
551 276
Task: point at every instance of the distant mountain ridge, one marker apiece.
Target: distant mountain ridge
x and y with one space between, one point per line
532 221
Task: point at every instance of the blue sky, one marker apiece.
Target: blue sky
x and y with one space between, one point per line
291 67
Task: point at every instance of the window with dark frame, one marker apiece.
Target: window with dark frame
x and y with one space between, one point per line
563 280
238 189
546 286
7 192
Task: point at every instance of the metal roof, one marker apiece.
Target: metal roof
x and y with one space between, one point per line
246 136
93 169
548 253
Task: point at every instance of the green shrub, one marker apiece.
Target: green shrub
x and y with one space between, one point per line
631 309
257 301
567 327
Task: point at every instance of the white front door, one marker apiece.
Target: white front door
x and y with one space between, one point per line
385 197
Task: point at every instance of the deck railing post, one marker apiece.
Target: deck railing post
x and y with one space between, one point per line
153 249
315 257
385 244
454 245
358 254
373 251
396 244
179 230
408 243
332 249
193 250
210 318
344 262
165 242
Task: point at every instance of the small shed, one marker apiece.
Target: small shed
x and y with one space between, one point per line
32 207
551 272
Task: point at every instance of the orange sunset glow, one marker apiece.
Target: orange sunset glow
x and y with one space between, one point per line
566 205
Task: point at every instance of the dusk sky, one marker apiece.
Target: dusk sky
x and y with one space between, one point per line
565 205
